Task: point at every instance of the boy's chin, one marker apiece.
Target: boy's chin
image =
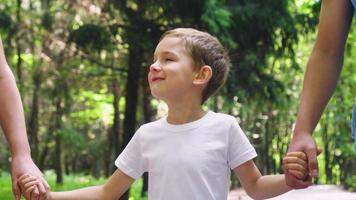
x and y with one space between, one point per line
155 95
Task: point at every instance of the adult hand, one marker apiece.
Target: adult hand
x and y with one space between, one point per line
305 143
25 165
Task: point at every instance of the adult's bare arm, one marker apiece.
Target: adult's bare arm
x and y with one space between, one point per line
323 70
13 124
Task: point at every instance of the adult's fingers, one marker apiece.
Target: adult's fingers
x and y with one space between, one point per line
35 194
42 191
47 188
16 190
312 162
45 183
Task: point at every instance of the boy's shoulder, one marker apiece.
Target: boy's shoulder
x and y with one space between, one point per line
222 117
211 115
154 124
211 119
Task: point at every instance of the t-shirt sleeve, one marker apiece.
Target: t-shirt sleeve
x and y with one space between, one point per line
131 161
240 149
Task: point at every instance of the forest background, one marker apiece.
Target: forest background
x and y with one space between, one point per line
81 69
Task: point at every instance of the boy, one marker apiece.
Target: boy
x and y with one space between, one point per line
189 153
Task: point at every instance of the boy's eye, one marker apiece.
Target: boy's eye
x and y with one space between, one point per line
168 60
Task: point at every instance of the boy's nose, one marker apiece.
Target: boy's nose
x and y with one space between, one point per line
155 67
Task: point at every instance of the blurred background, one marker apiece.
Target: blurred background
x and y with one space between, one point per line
81 67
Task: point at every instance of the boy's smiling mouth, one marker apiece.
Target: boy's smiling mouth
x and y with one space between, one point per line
154 79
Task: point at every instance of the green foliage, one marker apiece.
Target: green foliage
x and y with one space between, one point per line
218 21
189 10
47 21
350 183
94 106
261 29
72 138
5 21
91 37
6 186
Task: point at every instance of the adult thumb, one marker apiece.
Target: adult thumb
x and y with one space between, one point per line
312 162
16 190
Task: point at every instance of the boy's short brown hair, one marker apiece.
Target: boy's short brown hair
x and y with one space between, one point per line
205 49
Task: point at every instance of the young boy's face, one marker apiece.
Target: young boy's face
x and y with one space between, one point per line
172 73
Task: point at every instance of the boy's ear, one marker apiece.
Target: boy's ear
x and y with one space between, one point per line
203 76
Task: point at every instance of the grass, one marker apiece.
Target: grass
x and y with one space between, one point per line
70 182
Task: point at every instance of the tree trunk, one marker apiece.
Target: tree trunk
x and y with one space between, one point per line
114 132
116 124
325 137
108 164
62 108
131 94
43 156
18 48
35 108
58 141
58 159
48 137
33 121
266 143
148 114
131 97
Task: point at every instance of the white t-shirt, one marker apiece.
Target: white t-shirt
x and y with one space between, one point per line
191 161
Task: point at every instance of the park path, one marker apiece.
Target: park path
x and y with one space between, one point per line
316 192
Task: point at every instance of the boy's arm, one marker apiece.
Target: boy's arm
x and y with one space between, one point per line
117 184
258 186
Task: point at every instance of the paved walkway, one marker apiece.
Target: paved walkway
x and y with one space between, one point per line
316 192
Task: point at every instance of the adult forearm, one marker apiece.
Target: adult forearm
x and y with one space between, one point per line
325 63
269 186
319 84
12 118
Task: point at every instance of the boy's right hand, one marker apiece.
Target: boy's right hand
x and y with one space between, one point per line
28 183
297 164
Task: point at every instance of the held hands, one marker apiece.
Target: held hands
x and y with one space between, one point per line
295 163
304 143
28 184
21 166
